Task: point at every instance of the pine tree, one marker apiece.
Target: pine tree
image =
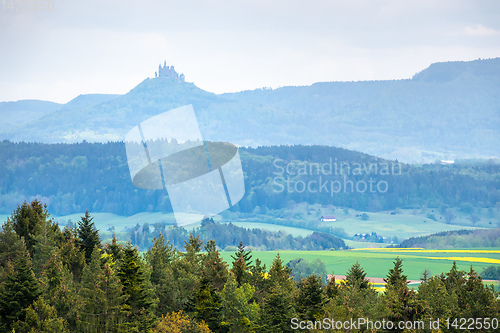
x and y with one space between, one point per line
185 273
402 303
71 255
310 298
240 271
425 276
277 310
205 306
170 292
356 278
476 300
102 296
454 279
10 246
18 291
132 278
258 279
112 299
52 275
242 253
41 317
214 268
46 242
435 299
90 294
280 274
89 235
238 310
357 303
61 292
27 219
395 278
160 258
115 249
183 278
193 253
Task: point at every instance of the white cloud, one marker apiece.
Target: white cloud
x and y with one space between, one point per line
480 30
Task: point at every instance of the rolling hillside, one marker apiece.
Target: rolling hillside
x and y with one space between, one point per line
16 114
448 110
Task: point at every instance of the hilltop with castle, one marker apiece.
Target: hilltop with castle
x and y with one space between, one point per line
169 72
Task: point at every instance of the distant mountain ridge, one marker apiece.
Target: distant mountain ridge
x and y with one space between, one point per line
89 100
448 71
446 111
15 113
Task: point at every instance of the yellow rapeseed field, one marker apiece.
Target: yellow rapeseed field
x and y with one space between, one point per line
387 249
421 250
471 259
379 287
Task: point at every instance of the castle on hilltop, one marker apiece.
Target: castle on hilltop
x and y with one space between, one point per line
169 72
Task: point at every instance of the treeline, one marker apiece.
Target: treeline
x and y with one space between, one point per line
95 176
455 239
408 186
491 273
230 235
67 281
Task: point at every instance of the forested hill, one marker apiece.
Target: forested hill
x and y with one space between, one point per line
104 118
455 239
448 110
15 113
450 106
95 176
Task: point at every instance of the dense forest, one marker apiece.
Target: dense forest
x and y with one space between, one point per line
455 239
230 235
95 176
68 281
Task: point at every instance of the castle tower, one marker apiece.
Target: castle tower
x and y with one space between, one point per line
169 72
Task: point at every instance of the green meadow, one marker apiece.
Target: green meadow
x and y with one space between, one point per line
402 225
377 263
301 221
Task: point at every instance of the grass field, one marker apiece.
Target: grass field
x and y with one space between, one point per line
461 219
403 225
358 245
104 221
377 262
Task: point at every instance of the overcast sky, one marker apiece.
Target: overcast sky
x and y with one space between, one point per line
109 46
